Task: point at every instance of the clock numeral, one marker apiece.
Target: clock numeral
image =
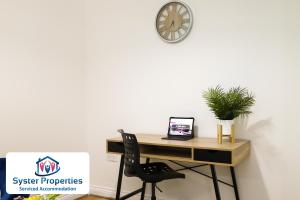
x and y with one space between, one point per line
179 33
166 34
176 35
184 13
184 21
162 29
161 22
164 14
172 35
184 27
174 9
179 9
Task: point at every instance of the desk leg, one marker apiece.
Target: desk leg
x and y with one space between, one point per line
121 168
215 180
236 192
144 183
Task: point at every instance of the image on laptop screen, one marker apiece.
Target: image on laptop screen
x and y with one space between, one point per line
180 126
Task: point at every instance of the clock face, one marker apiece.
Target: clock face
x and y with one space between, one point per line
174 21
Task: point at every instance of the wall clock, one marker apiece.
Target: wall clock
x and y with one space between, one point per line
174 21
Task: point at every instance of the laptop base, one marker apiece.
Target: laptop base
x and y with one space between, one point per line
176 138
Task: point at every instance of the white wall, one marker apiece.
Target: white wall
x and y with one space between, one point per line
41 75
136 81
62 59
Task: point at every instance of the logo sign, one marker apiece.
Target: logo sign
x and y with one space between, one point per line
46 166
47 173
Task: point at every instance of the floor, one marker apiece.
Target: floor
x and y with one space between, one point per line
92 197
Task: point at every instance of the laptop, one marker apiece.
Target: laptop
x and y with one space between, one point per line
180 128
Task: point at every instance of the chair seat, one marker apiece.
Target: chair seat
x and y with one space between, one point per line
158 171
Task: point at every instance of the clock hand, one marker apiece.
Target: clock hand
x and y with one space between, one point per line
172 23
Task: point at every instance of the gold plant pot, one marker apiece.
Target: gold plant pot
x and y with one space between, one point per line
229 134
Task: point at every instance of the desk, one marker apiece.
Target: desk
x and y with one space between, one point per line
201 151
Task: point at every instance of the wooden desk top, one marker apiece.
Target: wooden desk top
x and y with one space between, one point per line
198 142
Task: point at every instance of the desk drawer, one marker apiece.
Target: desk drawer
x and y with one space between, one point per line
115 147
212 156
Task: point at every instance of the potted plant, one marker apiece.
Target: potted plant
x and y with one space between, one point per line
229 105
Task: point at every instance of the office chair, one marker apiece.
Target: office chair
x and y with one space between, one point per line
4 195
149 172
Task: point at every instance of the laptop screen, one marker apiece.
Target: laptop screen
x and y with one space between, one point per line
181 126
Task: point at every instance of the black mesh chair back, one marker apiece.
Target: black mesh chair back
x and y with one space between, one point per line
132 154
148 172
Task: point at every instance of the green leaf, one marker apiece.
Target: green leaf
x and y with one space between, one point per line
229 105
